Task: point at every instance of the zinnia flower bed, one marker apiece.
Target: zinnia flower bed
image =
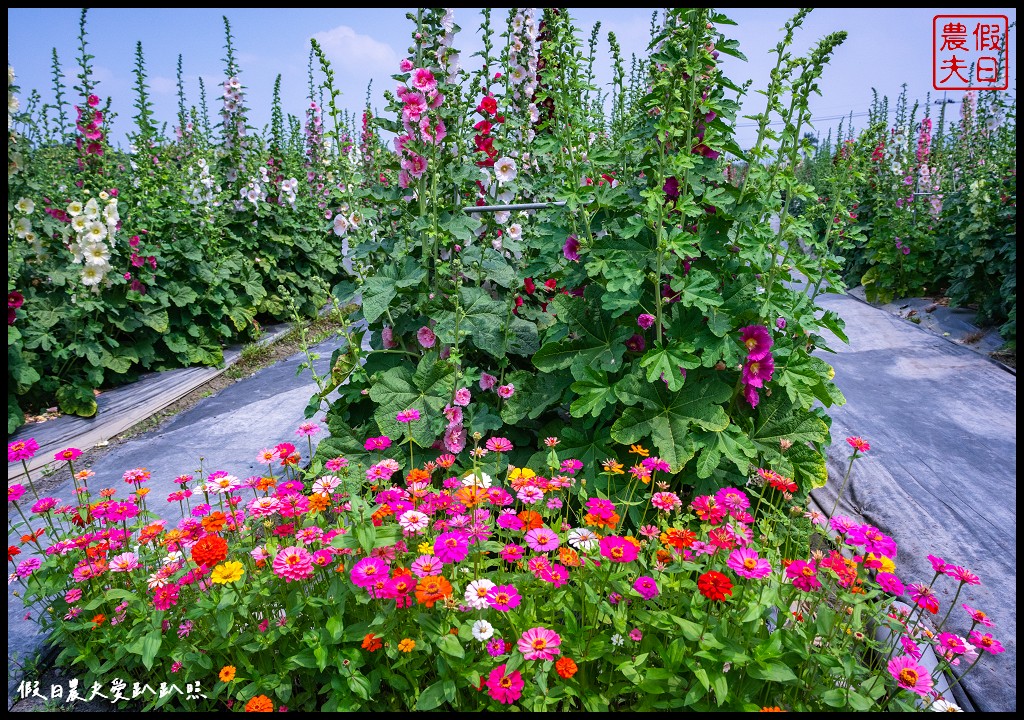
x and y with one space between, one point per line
475 585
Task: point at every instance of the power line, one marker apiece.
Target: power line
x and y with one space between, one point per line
812 120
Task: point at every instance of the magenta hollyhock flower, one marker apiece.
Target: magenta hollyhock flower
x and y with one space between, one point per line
985 641
746 563
910 675
539 643
618 549
21 450
890 583
451 547
69 454
636 343
645 320
503 597
15 300
804 575
757 340
408 416
293 563
780 323
506 391
671 188
571 249
751 396
423 80
368 571
541 539
462 397
757 372
426 337
506 689
646 586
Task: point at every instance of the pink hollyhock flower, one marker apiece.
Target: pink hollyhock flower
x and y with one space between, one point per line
541 539
21 450
293 563
426 337
405 65
757 340
503 597
645 320
757 372
462 397
387 338
487 381
506 689
506 391
455 439
539 643
803 574
746 563
618 549
423 80
646 586
910 675
451 547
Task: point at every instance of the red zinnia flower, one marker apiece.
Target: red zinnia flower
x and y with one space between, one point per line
210 550
714 585
565 667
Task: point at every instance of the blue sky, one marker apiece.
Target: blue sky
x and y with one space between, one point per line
885 48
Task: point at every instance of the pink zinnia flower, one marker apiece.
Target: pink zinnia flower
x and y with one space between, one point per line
368 571
451 547
503 597
293 563
542 539
27 567
965 576
21 450
377 443
68 454
14 492
986 642
506 391
757 340
666 501
557 575
425 566
746 563
859 444
646 586
978 616
407 416
803 574
125 562
44 505
73 595
732 499
708 509
512 552
308 428
426 337
499 444
618 549
924 596
539 643
506 689
890 583
951 643
910 675
165 597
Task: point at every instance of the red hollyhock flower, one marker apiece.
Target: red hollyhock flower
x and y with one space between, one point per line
714 585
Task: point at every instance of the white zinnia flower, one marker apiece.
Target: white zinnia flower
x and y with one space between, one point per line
483 630
478 478
476 593
583 539
505 170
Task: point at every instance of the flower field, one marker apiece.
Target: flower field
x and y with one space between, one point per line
570 441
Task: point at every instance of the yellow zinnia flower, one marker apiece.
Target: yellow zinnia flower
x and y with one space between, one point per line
227 572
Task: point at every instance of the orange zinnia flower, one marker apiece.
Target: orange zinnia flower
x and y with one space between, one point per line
569 557
265 483
432 588
417 475
227 673
470 495
639 450
593 520
210 550
98 620
372 643
678 539
260 703
565 667
531 519
318 503
214 522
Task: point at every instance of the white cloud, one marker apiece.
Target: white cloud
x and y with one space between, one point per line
349 50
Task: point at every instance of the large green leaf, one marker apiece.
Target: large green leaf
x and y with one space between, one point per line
698 288
427 390
488 264
664 363
594 391
535 393
489 325
596 340
780 420
667 417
